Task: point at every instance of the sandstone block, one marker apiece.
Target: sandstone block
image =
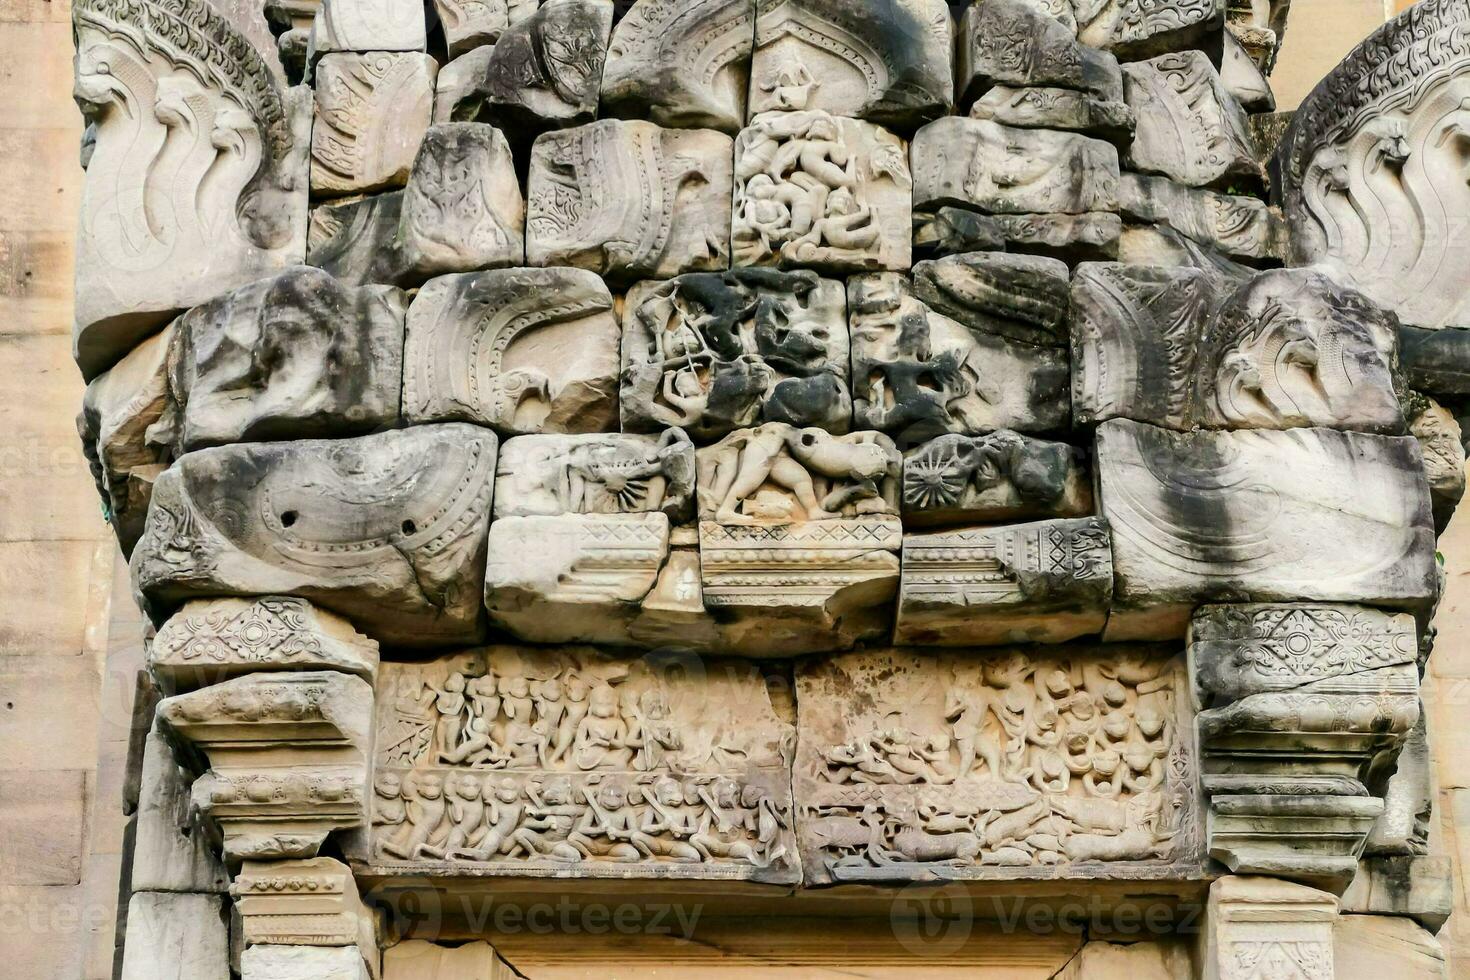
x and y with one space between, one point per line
416 959
298 355
1132 32
680 63
1002 476
308 902
471 24
457 79
521 350
387 530
1190 128
1243 227
1057 108
288 757
209 640
887 61
172 852
820 191
368 25
1017 43
544 72
1440 442
352 149
1012 764
176 937
982 165
1280 925
1370 946
714 352
1044 582
550 475
121 437
630 200
1417 887
303 963
1242 515
549 762
573 578
219 216
1023 297
918 374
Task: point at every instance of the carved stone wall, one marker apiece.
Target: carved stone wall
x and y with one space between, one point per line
781 451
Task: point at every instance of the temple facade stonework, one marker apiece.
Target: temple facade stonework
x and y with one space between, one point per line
781 458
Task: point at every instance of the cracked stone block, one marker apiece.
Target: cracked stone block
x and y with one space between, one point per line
352 150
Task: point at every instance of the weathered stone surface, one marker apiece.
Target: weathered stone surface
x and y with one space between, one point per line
1282 349
1132 29
820 191
296 355
1189 127
536 762
521 350
1418 887
887 61
1292 348
1073 237
1441 444
1259 30
420 960
1154 960
1002 476
288 757
471 24
1044 582
1259 927
1135 338
543 476
352 150
121 439
1408 799
918 374
311 902
1303 709
387 529
1017 43
714 352
219 216
1367 947
368 25
798 537
979 164
544 72
176 937
303 963
1436 361
1057 108
457 79
573 578
171 850
1243 227
1242 515
681 63
630 200
209 640
1023 297
1370 172
1244 79
931 766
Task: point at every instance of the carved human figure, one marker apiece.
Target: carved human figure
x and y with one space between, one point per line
466 814
608 828
549 822
669 824
503 812
601 740
427 810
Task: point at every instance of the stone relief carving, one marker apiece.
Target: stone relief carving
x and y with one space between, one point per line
1189 127
556 761
351 151
679 63
630 200
471 24
1032 47
520 350
820 191
296 355
1022 297
388 530
196 173
367 25
918 374
936 767
1370 169
887 61
957 479
1241 227
596 474
714 352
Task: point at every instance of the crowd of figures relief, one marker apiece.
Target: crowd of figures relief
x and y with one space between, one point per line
789 441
